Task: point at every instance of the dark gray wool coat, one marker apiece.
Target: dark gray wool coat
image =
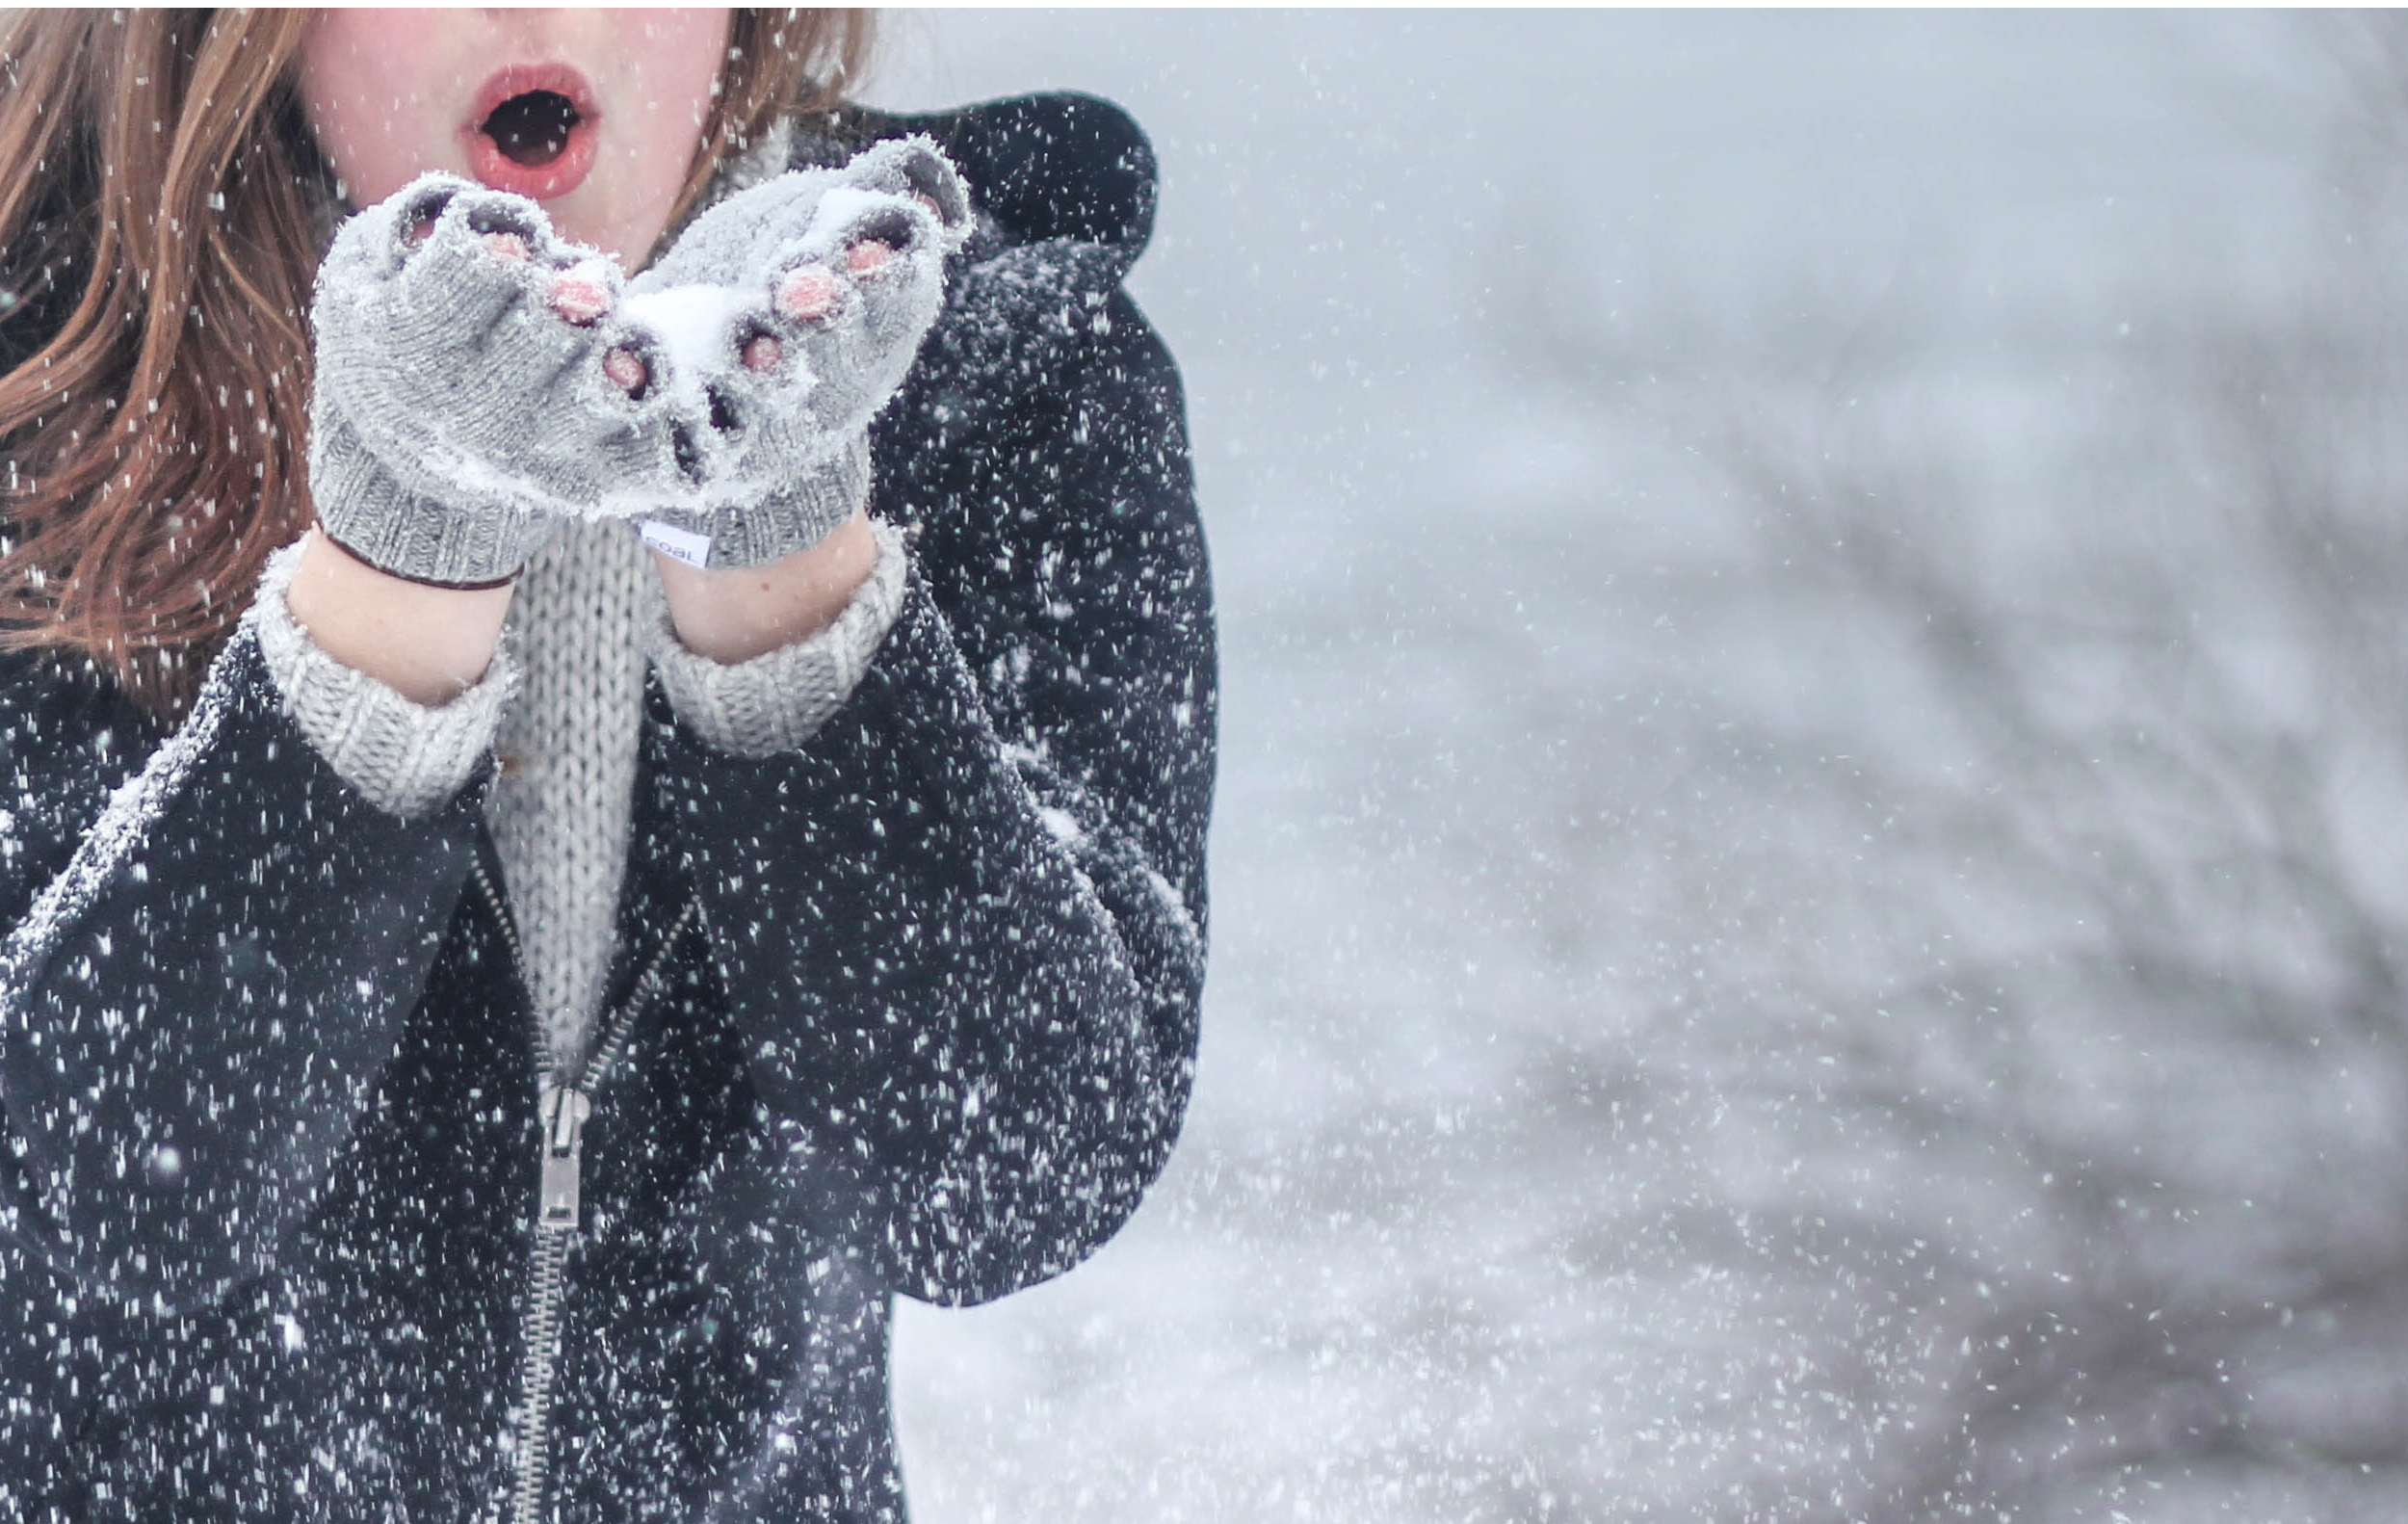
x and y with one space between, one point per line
269 1079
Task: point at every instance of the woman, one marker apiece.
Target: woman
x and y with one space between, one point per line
494 1011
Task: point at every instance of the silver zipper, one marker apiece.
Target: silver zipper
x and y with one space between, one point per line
564 1106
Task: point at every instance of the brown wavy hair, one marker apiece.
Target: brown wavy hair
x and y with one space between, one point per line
158 238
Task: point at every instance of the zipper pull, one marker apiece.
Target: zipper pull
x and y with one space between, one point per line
564 1111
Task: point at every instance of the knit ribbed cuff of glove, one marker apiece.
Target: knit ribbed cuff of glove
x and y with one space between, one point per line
405 758
778 701
367 510
792 519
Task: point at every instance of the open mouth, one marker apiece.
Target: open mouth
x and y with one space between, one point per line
533 131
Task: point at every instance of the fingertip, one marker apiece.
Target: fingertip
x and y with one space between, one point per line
808 294
626 370
579 298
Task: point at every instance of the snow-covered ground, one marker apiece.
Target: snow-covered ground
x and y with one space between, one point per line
1574 867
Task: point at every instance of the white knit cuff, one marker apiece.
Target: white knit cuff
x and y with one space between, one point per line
407 758
778 701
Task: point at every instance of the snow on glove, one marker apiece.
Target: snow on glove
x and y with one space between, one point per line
474 385
788 315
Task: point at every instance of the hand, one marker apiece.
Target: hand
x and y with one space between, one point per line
784 318
476 383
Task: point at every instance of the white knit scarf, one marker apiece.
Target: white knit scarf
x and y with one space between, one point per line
564 805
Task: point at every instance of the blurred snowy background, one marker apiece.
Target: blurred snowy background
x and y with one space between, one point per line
1809 886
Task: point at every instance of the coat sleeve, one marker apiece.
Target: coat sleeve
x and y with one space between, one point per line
213 944
962 926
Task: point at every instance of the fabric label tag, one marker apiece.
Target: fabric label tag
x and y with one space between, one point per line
682 544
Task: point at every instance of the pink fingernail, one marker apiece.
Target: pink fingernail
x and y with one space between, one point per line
866 256
508 247
421 229
761 353
579 299
808 294
626 369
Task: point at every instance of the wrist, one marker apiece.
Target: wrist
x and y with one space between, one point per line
429 643
734 615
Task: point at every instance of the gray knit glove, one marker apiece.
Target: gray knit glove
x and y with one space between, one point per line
475 382
788 315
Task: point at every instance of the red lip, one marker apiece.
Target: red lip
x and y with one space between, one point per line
536 182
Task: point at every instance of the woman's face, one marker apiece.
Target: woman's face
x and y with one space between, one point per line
594 113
